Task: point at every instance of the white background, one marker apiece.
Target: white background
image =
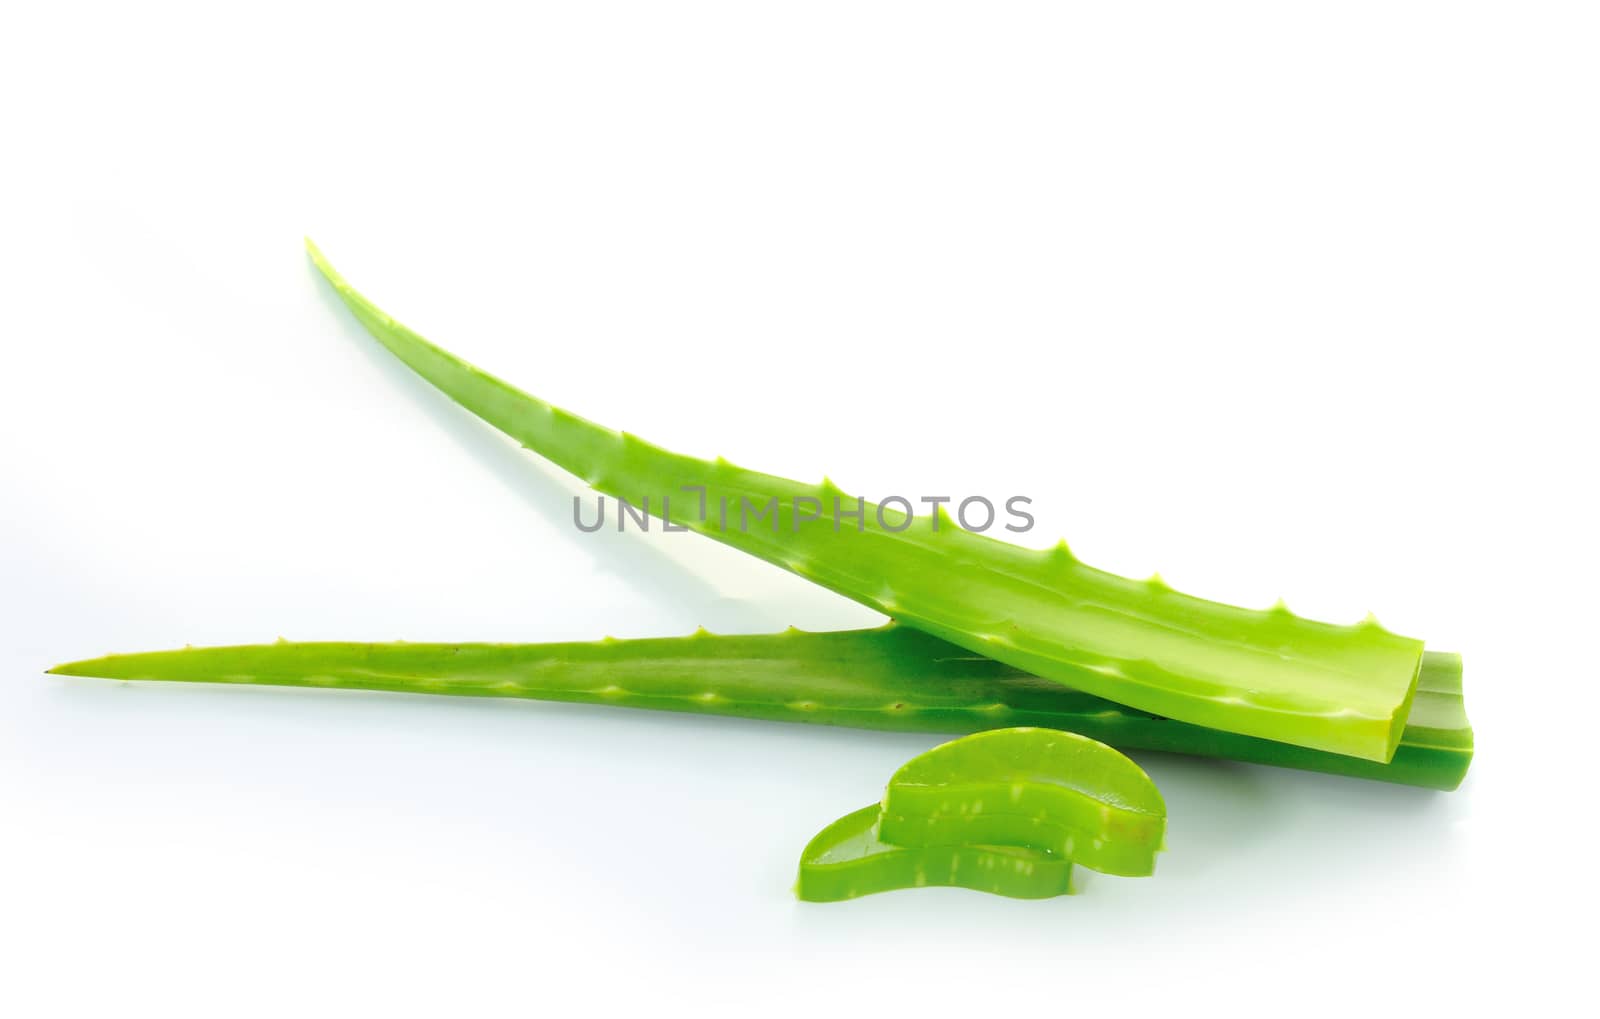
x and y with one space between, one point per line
1280 299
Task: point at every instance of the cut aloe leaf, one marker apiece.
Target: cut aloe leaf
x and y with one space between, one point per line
890 677
1042 789
1268 674
847 860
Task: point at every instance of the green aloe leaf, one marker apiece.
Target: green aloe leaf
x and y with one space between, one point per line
847 859
1263 673
889 677
1042 789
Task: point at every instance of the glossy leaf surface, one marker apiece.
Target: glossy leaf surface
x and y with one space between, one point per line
847 860
890 677
1263 673
1046 790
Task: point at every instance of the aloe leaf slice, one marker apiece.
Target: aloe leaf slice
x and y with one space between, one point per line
847 860
1264 673
890 677
1042 789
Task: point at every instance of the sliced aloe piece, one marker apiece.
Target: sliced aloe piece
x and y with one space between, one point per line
847 860
1268 673
1042 789
890 677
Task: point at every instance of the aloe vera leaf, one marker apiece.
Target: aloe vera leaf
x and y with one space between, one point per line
890 677
1042 789
1265 673
847 860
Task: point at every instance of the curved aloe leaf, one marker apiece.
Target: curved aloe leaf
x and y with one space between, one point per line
891 677
1042 789
847 860
1271 674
